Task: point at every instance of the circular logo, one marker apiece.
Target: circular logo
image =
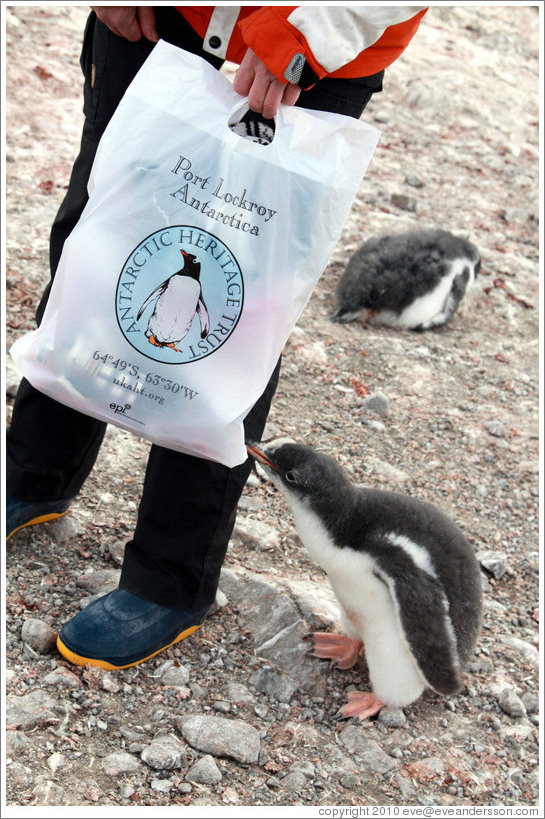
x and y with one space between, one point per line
179 295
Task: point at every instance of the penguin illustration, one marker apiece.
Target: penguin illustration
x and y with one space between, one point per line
406 579
416 280
177 300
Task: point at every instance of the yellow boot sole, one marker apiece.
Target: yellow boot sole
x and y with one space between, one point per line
39 519
77 659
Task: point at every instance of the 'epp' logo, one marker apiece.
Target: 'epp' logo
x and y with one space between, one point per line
117 408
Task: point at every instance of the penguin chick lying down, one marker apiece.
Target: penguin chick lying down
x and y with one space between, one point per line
406 579
416 279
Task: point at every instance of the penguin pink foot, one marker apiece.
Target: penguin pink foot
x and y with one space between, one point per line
361 704
337 647
153 341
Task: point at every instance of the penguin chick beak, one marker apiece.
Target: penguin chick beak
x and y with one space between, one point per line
183 253
260 456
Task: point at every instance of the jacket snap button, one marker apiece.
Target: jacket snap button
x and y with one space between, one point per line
214 42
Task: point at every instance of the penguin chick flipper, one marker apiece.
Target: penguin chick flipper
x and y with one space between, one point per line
361 704
424 616
338 647
153 295
204 318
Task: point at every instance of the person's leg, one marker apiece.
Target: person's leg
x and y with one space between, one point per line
51 448
186 517
172 566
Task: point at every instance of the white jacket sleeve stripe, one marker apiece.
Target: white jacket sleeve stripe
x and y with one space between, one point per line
337 34
221 25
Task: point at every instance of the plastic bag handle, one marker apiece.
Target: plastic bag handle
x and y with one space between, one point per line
240 108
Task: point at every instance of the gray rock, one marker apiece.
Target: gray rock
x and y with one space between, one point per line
184 787
393 473
99 582
528 653
349 781
520 731
413 180
13 377
403 201
495 428
289 652
119 763
274 683
510 702
62 678
17 741
220 601
198 692
264 609
356 741
236 692
31 710
277 627
493 562
377 402
204 771
66 529
295 781
222 706
530 702
392 717
164 753
300 771
117 551
222 737
405 785
39 635
48 793
261 710
315 600
19 775
176 676
254 534
372 423
162 785
57 761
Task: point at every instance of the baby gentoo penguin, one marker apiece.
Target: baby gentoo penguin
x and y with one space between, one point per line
416 279
406 579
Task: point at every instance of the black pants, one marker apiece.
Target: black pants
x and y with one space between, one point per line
181 536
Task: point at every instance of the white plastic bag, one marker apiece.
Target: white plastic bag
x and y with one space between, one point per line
193 259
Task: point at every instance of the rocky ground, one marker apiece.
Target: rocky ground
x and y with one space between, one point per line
239 715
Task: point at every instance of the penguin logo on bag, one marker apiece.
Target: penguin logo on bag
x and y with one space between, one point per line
179 295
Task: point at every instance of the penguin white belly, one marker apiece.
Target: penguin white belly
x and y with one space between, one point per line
369 606
174 310
369 609
431 309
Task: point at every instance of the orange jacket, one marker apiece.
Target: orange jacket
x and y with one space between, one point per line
301 44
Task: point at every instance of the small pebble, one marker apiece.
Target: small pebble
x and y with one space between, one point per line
511 703
39 635
392 717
